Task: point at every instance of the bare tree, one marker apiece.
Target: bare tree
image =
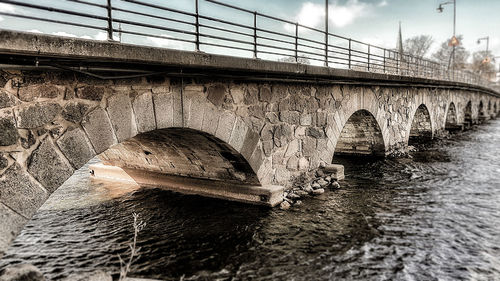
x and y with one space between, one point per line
134 250
444 54
418 46
482 63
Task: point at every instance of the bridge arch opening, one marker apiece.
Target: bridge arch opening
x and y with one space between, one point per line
361 136
480 112
421 126
495 109
451 123
468 115
181 152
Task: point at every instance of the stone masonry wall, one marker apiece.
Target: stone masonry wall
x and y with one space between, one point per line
52 123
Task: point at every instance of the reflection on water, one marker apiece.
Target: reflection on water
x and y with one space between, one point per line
432 217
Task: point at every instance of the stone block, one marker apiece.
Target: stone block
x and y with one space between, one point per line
98 128
216 94
36 115
238 135
303 164
163 103
292 148
144 112
250 143
225 127
74 111
256 159
291 117
336 171
316 132
6 100
8 131
91 93
308 146
306 120
12 223
48 166
75 146
33 92
121 116
265 94
210 120
20 193
238 94
196 111
177 118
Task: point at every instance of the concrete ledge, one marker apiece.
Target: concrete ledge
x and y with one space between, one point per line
88 51
269 195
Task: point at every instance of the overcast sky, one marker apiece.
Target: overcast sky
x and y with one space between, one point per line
371 21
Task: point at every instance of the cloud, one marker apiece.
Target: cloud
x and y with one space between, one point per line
34 31
383 3
6 8
167 43
340 15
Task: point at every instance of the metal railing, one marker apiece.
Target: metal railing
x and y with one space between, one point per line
241 31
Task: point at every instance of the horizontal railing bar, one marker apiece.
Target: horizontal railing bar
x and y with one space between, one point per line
224 39
224 46
225 30
153 16
160 7
152 35
154 26
54 21
88 3
55 10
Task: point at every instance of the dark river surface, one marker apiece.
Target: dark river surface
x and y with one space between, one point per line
435 216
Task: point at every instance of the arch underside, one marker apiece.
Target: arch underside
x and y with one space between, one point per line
421 127
181 152
481 115
468 114
361 135
451 123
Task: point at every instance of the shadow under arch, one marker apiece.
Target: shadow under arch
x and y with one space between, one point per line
451 120
468 115
481 115
361 135
421 129
182 152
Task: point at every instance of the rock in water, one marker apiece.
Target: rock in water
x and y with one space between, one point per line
334 185
322 182
97 275
284 205
318 191
21 272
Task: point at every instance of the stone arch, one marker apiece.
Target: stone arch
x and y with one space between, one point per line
451 119
481 115
421 125
360 135
468 114
495 110
58 152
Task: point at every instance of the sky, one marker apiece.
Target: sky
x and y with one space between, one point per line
371 21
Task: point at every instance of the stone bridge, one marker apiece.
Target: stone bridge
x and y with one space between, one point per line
190 119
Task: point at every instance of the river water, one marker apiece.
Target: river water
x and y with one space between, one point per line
435 216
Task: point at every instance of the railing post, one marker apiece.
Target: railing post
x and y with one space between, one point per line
297 42
110 21
350 41
197 26
368 57
326 48
384 62
254 34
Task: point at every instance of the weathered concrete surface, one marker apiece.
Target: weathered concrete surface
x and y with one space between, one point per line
268 195
52 122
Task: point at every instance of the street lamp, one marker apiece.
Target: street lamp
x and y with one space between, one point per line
487 38
454 41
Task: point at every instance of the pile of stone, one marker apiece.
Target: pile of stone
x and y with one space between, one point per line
325 178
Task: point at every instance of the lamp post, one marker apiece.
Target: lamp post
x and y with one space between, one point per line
326 32
487 38
454 41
